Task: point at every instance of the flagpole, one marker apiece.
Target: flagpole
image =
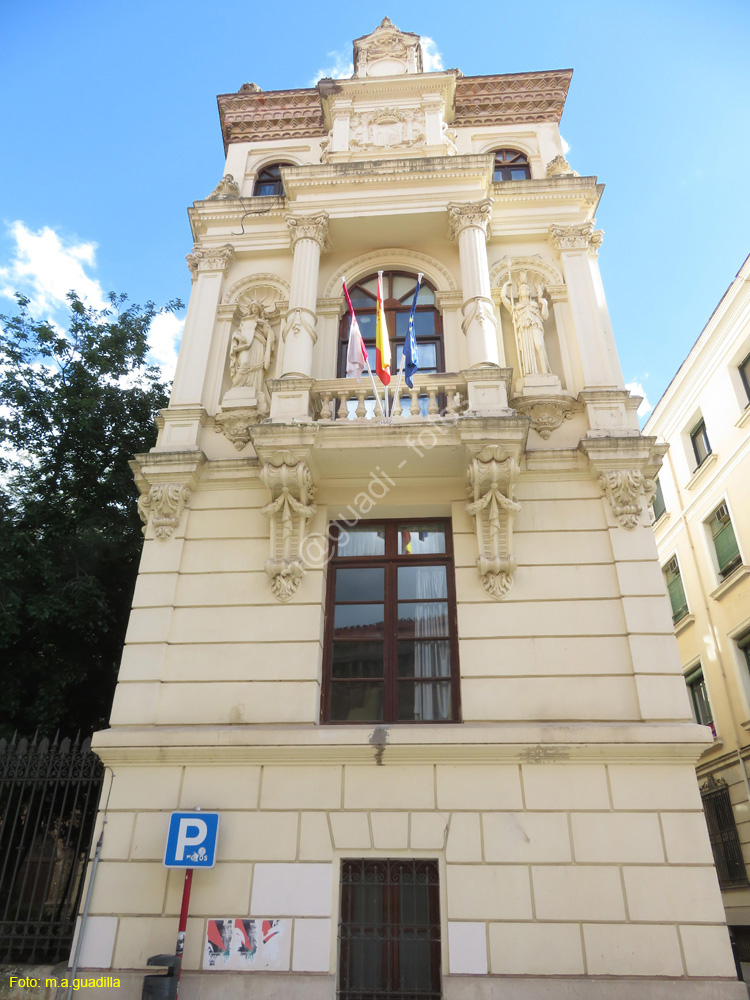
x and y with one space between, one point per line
408 334
374 387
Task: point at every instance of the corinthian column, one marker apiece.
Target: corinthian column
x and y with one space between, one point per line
309 238
469 227
486 382
207 266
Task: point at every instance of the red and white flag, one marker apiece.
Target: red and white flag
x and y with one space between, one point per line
356 353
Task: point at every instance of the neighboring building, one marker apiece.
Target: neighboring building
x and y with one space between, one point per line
423 666
702 526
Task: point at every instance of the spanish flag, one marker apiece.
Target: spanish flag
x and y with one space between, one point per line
382 344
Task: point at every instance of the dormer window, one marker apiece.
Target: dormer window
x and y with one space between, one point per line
268 181
511 165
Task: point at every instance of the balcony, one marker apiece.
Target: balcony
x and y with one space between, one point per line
434 397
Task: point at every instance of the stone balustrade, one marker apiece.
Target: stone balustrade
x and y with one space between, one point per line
443 394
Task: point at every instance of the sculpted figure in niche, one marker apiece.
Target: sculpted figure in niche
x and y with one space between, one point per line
251 350
528 316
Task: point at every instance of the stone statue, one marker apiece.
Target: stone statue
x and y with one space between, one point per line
528 322
250 352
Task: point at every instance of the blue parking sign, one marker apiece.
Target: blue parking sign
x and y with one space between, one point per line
191 841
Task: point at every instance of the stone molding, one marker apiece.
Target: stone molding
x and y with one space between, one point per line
491 475
469 215
511 98
546 413
250 281
583 237
309 227
550 275
358 267
292 506
227 189
209 258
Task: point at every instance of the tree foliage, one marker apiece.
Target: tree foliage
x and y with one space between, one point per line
75 406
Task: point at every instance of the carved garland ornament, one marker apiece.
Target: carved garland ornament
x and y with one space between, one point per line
387 128
628 491
164 504
491 474
291 508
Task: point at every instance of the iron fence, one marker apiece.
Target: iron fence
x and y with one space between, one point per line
49 793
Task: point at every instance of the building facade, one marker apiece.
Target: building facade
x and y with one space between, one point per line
415 650
702 526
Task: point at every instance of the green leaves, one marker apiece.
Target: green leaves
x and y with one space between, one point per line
75 406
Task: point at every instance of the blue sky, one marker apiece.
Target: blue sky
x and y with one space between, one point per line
110 130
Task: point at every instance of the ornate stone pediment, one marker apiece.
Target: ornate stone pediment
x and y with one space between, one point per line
292 506
491 475
387 51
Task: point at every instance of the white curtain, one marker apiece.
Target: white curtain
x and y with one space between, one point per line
431 659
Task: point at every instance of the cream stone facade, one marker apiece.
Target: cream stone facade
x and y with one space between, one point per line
708 562
535 783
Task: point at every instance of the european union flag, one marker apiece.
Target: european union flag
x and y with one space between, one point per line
411 361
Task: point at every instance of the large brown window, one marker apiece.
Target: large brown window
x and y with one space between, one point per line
398 293
268 181
391 648
511 165
389 931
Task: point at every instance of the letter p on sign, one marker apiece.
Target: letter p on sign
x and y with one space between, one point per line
191 841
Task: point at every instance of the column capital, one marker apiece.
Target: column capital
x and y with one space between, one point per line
209 258
583 237
309 227
469 215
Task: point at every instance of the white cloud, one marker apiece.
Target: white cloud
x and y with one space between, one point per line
45 268
341 69
164 342
565 146
432 60
636 388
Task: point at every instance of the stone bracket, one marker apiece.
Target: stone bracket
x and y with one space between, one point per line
291 508
626 467
491 475
165 481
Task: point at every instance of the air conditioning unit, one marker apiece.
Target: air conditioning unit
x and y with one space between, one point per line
722 513
673 566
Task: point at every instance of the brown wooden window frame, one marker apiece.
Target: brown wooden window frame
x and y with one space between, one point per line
391 561
388 877
270 174
392 307
506 162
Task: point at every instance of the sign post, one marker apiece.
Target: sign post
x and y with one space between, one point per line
191 844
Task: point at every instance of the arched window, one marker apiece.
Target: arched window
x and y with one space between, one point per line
398 293
511 165
268 181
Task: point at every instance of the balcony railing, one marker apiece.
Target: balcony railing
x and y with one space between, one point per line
432 396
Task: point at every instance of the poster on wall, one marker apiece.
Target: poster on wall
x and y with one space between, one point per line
245 945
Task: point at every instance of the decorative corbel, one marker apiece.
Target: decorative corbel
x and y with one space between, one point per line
491 476
626 468
629 491
163 504
546 413
292 506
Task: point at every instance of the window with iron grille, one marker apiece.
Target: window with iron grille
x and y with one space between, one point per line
268 181
389 931
659 506
391 649
722 832
728 555
700 442
675 589
511 165
699 702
